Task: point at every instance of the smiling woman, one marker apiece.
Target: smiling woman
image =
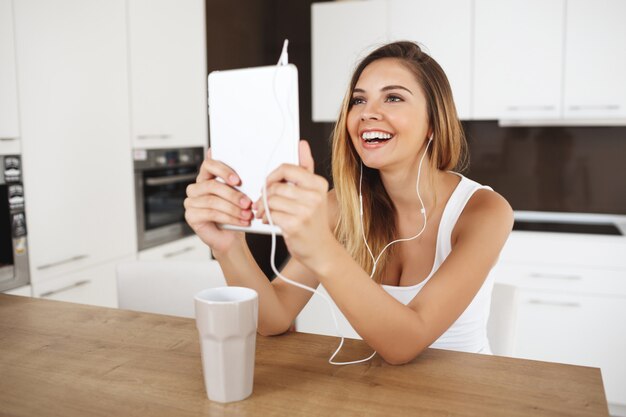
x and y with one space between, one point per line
418 104
394 146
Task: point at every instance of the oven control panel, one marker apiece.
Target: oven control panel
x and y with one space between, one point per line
165 158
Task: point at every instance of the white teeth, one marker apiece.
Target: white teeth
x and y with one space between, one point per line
376 135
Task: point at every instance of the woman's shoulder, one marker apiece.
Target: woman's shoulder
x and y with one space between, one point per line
488 210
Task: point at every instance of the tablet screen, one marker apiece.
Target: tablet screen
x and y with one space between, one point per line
254 125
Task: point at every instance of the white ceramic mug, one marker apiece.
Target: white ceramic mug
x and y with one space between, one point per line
226 318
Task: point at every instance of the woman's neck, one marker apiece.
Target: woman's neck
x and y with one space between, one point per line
400 185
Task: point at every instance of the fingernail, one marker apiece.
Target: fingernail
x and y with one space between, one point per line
244 222
245 202
246 214
233 179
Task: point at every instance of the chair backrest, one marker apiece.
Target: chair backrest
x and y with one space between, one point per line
165 287
502 316
316 318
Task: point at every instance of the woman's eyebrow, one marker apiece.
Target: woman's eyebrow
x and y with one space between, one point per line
387 88
396 87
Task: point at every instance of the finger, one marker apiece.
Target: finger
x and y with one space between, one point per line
290 191
296 175
221 190
287 189
212 202
211 168
306 158
196 216
287 223
281 204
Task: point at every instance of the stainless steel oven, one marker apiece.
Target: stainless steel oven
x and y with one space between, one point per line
13 249
161 179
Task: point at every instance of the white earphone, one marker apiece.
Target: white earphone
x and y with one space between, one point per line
283 61
422 210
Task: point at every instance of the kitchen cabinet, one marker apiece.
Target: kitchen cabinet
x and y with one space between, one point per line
168 71
337 47
575 329
595 59
78 173
518 56
545 61
9 120
570 302
445 30
189 248
95 285
342 34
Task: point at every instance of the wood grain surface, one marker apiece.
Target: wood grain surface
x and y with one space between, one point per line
63 359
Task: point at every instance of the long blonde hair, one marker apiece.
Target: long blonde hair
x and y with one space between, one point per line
448 151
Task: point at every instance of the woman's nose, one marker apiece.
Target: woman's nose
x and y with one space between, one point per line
370 113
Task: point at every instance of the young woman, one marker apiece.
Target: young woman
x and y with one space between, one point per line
395 145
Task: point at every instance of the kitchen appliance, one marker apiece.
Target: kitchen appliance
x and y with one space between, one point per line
13 248
161 179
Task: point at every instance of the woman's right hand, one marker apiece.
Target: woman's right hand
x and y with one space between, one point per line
211 202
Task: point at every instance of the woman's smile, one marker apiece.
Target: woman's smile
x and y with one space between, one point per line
375 138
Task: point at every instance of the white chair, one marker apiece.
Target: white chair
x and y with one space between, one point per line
315 318
502 317
165 287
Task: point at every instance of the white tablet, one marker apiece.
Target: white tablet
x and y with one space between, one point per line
254 125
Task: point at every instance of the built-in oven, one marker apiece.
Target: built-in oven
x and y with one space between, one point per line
161 179
13 249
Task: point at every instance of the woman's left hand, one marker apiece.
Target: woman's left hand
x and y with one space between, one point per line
297 200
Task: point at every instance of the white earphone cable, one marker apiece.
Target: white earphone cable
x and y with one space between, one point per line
283 61
422 210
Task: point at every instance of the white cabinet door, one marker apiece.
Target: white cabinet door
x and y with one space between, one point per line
9 122
421 21
518 56
575 329
342 34
189 248
595 59
25 291
78 174
168 73
96 285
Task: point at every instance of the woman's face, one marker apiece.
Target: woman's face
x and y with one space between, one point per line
388 119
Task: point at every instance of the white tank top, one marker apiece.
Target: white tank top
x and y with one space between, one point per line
469 332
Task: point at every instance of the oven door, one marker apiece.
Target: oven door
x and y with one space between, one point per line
160 213
13 255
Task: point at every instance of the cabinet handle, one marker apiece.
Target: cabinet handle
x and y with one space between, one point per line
171 180
178 252
8 139
64 261
570 277
69 287
157 136
554 303
595 107
530 107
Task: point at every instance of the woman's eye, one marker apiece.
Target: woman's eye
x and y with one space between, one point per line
394 99
356 100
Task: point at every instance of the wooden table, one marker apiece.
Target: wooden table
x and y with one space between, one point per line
63 359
